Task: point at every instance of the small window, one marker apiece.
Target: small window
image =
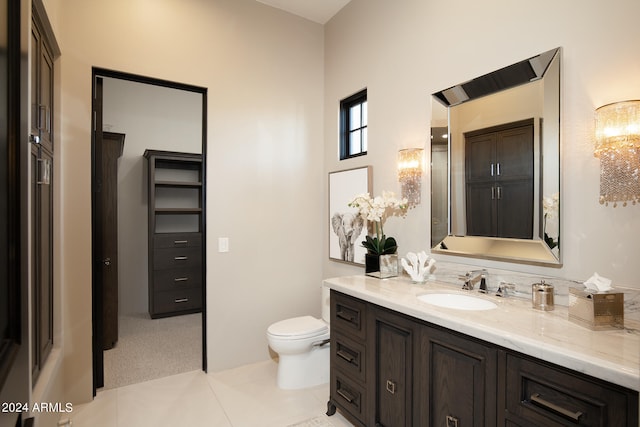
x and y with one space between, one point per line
353 125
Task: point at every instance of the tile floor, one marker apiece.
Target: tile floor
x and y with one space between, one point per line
242 397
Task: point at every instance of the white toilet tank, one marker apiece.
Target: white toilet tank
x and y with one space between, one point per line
326 304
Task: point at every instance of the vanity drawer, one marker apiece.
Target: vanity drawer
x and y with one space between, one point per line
179 300
348 396
348 315
189 257
540 394
177 278
177 240
348 356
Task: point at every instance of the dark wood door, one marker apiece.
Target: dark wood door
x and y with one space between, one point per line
111 146
461 380
14 129
41 85
393 358
96 235
41 256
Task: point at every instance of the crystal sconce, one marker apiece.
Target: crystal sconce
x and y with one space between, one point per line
410 167
618 147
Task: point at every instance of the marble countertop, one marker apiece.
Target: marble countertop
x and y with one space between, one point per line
613 355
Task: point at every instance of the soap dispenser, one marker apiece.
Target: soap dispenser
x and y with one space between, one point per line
542 296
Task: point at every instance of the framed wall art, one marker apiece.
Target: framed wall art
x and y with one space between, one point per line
346 228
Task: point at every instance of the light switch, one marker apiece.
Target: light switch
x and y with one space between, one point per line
223 244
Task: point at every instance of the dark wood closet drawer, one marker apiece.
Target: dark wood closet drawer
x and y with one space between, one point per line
177 278
348 315
539 394
348 356
179 300
177 240
177 258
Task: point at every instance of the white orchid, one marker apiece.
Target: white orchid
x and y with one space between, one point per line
550 207
378 209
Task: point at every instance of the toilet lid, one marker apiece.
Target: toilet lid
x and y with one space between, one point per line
298 327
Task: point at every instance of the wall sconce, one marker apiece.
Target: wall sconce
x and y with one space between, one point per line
410 166
618 147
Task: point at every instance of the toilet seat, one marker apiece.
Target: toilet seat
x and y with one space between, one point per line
298 328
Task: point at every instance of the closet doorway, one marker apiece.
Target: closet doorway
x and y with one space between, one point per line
134 114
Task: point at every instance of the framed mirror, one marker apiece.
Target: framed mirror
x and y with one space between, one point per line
495 164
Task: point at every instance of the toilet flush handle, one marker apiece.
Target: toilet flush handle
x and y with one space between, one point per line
321 343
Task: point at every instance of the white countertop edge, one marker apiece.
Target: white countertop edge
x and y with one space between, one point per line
399 295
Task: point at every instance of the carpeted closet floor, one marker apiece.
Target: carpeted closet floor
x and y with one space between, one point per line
153 348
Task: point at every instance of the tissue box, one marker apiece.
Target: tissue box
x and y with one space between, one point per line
596 310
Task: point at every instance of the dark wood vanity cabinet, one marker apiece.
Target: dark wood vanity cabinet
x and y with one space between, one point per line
392 370
388 369
542 394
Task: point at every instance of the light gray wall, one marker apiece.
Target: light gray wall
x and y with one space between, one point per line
405 51
151 117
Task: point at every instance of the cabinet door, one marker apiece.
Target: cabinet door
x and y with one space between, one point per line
480 157
42 256
461 380
515 209
514 153
41 87
481 209
394 346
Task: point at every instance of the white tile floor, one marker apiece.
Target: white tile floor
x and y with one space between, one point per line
241 397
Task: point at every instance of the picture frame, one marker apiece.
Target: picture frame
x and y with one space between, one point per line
346 229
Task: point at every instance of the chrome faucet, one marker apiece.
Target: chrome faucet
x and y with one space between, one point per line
472 276
503 287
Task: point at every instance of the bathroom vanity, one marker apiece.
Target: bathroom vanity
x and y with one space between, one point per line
398 361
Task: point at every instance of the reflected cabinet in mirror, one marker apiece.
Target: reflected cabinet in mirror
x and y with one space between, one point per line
495 164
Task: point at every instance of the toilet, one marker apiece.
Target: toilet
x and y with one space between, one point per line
302 344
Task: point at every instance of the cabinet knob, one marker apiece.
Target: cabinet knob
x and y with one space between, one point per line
106 261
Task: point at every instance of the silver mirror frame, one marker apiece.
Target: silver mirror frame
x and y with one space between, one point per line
535 251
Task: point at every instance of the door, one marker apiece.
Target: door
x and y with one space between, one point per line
14 157
110 146
97 246
103 260
42 194
41 256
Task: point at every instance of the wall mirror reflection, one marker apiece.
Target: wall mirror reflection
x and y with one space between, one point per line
495 151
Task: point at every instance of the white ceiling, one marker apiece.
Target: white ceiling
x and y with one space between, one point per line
319 11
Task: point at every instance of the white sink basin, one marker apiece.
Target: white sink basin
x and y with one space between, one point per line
458 301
